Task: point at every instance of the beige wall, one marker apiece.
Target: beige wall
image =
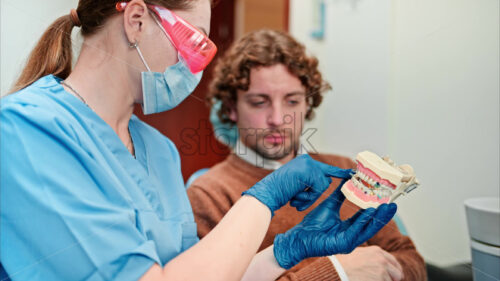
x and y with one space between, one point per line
21 25
445 114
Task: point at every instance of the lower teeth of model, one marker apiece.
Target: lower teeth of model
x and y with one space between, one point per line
379 192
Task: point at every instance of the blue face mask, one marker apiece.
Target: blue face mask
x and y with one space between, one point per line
164 91
223 132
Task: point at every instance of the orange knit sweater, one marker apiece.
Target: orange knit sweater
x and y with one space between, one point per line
213 194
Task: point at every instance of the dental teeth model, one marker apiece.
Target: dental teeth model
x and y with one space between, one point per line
378 180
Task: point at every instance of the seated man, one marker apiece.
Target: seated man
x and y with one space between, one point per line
267 86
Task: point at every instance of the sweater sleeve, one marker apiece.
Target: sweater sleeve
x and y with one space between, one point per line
400 246
313 269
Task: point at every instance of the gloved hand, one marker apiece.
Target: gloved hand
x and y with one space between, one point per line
301 180
323 233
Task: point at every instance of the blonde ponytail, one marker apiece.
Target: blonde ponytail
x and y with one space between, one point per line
51 55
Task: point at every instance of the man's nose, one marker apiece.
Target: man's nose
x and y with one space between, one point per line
275 117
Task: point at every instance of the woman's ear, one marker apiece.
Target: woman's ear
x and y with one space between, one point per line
134 16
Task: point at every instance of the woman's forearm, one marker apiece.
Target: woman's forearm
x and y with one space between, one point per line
226 252
263 267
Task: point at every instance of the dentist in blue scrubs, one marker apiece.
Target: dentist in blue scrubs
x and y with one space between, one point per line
90 192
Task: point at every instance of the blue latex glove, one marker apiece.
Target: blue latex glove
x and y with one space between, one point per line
301 180
323 233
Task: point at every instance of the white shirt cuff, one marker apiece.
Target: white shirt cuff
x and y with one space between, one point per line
339 268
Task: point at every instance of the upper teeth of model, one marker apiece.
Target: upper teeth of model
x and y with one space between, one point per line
376 188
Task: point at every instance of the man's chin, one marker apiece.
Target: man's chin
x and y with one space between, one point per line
275 153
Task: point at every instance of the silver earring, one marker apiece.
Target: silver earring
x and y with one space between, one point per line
133 45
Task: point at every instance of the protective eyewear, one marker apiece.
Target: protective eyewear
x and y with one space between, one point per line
194 46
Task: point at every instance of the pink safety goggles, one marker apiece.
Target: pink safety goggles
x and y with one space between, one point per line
194 46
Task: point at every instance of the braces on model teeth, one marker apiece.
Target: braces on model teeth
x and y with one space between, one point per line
378 180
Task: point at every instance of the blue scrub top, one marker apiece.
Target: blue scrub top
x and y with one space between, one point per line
75 204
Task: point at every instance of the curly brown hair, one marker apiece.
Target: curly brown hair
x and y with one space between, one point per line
264 48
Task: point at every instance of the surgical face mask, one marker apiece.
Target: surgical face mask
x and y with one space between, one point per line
164 91
223 132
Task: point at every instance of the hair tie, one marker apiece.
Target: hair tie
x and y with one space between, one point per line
73 14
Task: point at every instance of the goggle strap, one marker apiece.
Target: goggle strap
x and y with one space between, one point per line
162 29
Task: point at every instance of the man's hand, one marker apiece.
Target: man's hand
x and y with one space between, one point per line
371 264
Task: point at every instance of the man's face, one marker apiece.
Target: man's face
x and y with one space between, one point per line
270 115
